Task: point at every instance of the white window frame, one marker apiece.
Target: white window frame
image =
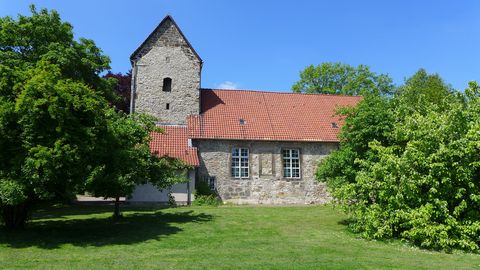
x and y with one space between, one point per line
288 163
238 169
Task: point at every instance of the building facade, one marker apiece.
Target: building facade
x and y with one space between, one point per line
250 146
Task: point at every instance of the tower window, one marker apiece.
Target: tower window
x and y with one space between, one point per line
167 85
167 106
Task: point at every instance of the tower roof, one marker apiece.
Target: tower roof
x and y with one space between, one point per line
158 29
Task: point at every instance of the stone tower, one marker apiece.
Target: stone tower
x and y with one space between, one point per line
166 75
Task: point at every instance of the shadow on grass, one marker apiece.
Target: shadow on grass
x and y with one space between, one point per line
102 231
64 211
345 222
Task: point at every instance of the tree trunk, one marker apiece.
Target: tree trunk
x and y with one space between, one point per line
15 216
116 213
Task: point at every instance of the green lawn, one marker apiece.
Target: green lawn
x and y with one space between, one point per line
229 237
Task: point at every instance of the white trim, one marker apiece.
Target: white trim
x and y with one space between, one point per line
288 163
238 169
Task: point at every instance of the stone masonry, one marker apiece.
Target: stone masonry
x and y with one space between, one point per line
166 53
266 184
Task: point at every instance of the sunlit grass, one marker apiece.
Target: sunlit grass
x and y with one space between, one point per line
230 237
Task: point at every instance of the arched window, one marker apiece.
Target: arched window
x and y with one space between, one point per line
167 85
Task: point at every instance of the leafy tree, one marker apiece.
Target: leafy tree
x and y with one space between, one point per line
418 179
56 126
421 89
125 159
371 119
25 41
122 88
342 79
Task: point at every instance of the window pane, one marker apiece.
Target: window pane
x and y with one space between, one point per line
244 152
235 172
295 153
235 152
244 172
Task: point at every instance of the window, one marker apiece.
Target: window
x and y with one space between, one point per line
240 162
291 163
167 85
211 182
167 106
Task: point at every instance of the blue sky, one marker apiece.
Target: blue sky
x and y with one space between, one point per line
265 44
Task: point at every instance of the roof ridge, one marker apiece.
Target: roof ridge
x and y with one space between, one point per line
276 92
167 17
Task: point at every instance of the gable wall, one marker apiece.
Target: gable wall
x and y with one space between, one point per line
183 67
266 184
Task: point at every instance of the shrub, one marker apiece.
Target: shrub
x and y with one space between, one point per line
204 195
419 177
211 200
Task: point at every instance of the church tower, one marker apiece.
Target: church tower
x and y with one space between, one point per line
166 75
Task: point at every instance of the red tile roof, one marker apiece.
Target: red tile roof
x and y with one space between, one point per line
174 143
255 115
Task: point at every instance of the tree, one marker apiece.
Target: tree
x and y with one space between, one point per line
122 88
57 128
124 159
371 119
418 179
420 89
51 110
342 79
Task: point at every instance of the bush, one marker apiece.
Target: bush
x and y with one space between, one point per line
419 177
204 195
210 200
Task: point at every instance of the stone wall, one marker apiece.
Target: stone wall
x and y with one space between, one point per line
167 54
266 184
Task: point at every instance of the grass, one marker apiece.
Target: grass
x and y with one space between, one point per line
229 237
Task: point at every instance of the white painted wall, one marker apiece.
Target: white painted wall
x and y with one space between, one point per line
148 193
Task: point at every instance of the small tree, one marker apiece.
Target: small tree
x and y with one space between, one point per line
342 79
124 159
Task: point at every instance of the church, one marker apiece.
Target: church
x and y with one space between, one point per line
251 147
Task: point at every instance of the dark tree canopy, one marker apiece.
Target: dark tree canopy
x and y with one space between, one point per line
122 88
342 79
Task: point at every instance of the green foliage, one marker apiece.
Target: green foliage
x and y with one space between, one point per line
204 195
419 177
342 79
206 200
123 158
58 133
